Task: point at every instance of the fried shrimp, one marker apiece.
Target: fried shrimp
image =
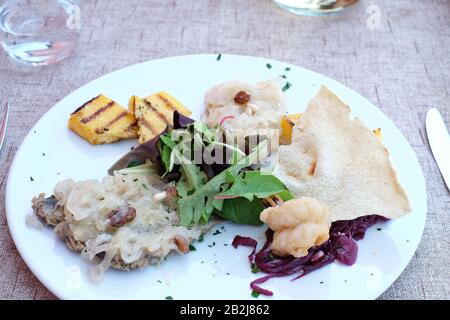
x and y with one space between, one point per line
299 224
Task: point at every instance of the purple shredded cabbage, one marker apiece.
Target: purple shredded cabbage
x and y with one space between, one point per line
247 242
346 249
340 246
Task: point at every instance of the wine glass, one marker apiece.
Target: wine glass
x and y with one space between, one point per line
314 7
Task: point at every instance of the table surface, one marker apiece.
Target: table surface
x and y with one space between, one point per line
394 52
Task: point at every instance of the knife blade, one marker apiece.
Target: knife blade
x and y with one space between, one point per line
439 140
4 113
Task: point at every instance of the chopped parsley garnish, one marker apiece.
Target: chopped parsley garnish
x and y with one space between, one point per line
192 248
58 173
215 261
287 69
269 66
223 228
201 239
219 57
271 257
34 131
225 245
379 229
31 179
228 273
144 186
407 240
254 268
169 298
132 148
321 282
202 261
159 281
167 218
287 86
283 76
216 233
255 294
212 245
43 154
135 180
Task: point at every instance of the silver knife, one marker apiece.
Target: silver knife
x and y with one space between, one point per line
439 142
4 113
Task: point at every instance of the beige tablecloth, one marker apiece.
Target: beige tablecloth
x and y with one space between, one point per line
394 52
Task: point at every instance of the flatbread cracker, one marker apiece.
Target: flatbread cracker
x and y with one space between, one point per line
338 160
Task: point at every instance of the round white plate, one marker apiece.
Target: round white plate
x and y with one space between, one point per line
216 270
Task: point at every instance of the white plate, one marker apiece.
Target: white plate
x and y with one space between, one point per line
216 272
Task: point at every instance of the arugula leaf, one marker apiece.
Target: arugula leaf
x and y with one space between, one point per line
165 158
242 204
200 204
167 140
193 176
252 184
207 134
286 195
182 187
165 147
242 211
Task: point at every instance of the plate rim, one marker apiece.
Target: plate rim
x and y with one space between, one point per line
61 294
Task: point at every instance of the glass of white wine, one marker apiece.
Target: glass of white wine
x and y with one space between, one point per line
314 7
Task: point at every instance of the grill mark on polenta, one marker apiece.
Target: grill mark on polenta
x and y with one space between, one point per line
159 114
85 104
97 113
110 123
146 124
167 102
132 127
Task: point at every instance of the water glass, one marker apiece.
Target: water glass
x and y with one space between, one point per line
39 32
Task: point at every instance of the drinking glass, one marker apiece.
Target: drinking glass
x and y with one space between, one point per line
39 32
314 7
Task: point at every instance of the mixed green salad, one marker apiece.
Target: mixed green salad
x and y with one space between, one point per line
210 175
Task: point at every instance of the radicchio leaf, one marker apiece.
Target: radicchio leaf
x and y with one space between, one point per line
149 150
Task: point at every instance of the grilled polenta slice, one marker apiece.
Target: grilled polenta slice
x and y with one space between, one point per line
154 113
377 132
287 123
102 120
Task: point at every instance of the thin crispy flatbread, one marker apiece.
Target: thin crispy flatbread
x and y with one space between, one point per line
339 161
